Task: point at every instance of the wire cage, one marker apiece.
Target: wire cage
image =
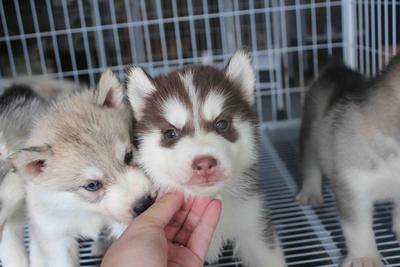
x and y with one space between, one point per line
290 41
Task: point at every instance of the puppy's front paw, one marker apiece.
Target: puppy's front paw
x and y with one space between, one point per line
396 229
100 246
212 256
362 262
305 197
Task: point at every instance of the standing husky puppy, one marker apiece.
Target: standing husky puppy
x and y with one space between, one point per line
197 132
19 107
336 86
81 178
350 133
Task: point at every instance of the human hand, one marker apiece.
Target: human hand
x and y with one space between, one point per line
172 232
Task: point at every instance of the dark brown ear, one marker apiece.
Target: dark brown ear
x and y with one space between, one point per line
110 91
31 160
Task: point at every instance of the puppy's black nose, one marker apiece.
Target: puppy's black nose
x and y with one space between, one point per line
143 204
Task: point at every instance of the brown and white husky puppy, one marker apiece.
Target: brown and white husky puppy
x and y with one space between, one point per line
196 130
80 174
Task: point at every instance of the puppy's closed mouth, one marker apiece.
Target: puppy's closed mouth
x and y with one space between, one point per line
206 184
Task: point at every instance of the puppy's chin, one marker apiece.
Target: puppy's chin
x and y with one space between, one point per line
207 189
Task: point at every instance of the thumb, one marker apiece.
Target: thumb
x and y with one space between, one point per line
162 211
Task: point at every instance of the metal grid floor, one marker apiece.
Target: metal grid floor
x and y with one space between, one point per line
309 236
312 236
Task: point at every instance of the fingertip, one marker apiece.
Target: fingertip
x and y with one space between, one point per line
171 199
168 190
164 208
217 202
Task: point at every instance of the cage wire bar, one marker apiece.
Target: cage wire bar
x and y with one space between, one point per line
290 41
78 39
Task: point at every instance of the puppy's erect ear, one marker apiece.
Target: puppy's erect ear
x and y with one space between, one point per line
32 160
110 92
140 85
240 70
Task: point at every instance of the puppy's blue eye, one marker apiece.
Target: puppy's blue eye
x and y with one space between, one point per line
93 186
221 125
171 133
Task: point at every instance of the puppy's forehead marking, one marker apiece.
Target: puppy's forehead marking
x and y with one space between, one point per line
92 173
212 105
175 112
187 80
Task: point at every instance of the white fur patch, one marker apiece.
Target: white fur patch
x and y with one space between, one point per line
241 71
92 173
187 81
3 147
175 112
212 106
139 87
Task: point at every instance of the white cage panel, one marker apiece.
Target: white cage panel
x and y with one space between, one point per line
290 40
371 36
78 39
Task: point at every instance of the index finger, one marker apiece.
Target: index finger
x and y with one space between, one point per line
201 237
175 224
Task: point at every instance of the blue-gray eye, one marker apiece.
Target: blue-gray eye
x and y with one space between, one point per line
171 133
221 125
93 186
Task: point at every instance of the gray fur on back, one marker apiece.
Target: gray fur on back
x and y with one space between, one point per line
19 108
17 117
357 113
350 123
22 101
47 88
337 86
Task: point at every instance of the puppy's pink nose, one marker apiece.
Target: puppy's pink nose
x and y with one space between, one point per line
204 166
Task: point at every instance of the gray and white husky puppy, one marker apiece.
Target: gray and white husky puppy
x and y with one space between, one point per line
350 133
19 107
49 89
196 130
80 174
